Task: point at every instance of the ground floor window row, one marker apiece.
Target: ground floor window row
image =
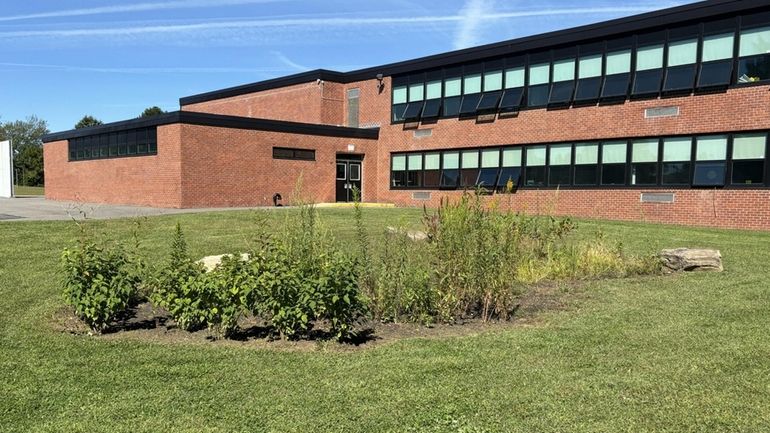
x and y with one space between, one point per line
698 161
292 153
134 142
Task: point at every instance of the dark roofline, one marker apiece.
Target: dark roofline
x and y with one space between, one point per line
218 120
578 35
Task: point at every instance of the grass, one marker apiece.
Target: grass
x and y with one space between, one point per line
680 353
28 190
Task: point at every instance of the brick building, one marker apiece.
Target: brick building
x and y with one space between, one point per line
658 117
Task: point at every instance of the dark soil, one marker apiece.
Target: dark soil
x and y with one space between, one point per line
144 323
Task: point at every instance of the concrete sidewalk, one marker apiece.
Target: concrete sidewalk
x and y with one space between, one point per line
36 208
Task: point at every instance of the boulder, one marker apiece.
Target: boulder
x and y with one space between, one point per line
211 262
413 235
691 260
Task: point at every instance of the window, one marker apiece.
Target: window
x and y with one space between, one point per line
617 75
135 142
644 162
342 169
559 161
749 159
399 102
539 76
510 172
614 163
710 165
493 85
716 61
514 90
470 168
432 173
432 108
535 173
290 153
682 59
414 170
452 96
450 170
589 78
563 82
353 95
490 166
586 164
677 153
415 104
649 70
471 94
398 171
754 63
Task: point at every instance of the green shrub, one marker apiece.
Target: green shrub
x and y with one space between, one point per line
179 286
224 293
301 277
99 282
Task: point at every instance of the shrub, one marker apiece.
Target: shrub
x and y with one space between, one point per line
178 288
98 282
224 293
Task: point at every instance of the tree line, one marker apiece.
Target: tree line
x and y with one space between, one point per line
27 140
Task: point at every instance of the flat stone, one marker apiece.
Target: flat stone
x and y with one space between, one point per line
413 235
691 260
211 262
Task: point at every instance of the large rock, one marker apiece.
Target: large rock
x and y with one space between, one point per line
413 235
211 262
690 260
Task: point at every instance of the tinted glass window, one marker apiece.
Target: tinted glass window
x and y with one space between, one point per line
451 106
469 104
588 89
715 73
431 109
489 101
511 99
709 174
615 86
509 174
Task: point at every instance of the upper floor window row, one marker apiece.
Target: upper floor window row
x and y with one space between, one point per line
134 142
676 61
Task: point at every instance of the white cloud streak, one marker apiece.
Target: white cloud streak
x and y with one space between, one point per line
313 22
473 15
288 62
138 7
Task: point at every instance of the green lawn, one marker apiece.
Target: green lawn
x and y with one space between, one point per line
28 190
684 353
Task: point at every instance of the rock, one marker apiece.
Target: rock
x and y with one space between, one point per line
211 262
690 260
413 235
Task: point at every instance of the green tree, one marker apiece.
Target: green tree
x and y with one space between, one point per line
27 140
87 121
152 111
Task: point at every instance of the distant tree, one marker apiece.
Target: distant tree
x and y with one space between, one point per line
87 121
152 111
27 140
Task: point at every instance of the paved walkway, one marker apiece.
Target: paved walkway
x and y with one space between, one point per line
35 208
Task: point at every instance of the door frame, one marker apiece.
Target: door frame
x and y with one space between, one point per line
347 158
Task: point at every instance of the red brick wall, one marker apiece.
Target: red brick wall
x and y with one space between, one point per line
319 103
141 180
736 110
232 167
746 209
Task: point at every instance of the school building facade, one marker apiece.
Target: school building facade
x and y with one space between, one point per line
660 117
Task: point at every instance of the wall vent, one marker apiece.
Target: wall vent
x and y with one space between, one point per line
421 195
656 112
422 133
658 197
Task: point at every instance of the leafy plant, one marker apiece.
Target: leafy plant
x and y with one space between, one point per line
98 282
179 286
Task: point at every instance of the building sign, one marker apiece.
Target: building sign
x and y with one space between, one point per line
6 170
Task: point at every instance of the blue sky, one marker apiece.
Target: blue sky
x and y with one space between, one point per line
62 59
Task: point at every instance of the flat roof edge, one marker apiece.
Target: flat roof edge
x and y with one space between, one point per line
634 23
221 121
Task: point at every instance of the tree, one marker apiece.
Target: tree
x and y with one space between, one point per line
27 140
152 111
87 121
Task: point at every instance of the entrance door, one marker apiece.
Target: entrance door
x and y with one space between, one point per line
348 177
